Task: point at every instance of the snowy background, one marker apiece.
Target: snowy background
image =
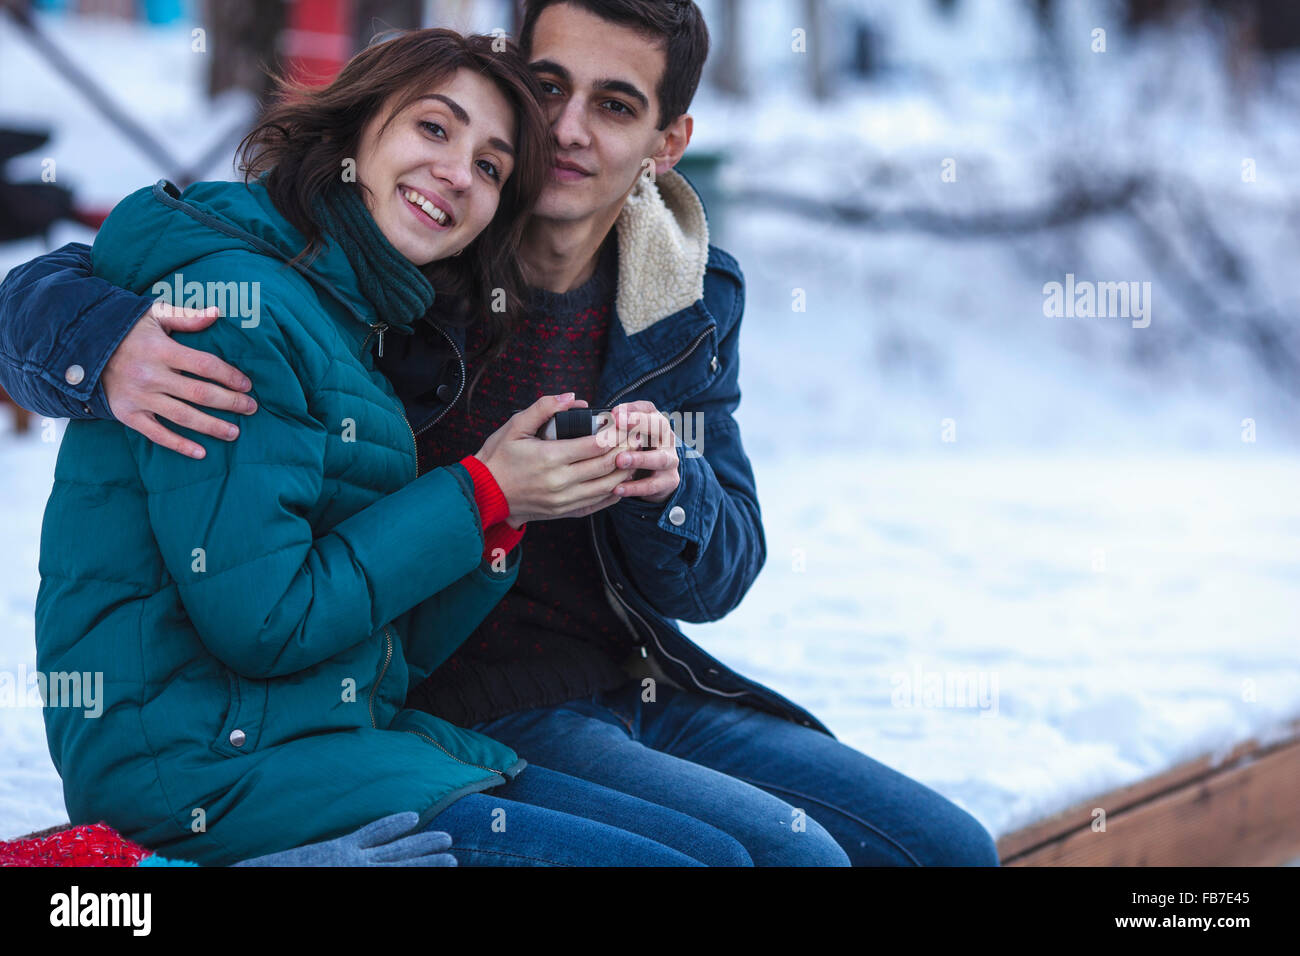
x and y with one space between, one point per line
1098 548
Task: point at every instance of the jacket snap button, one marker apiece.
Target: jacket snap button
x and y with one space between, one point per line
715 363
74 374
445 393
237 738
619 585
677 516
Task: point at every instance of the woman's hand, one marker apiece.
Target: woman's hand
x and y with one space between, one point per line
545 480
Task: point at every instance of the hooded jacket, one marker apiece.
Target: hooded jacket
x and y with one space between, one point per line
258 617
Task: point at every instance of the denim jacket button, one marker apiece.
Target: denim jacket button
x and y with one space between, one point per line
237 738
445 393
677 516
74 374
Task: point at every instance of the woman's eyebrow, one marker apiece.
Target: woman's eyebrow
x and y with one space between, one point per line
459 112
456 109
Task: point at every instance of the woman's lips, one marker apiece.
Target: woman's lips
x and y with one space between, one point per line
423 216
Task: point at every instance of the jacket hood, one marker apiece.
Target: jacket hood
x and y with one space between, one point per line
155 232
663 251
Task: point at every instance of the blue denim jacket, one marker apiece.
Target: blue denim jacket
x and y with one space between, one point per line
692 558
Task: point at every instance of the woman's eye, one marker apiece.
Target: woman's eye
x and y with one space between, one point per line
433 128
490 168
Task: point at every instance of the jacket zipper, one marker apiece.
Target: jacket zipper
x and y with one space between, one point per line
388 657
667 368
376 328
477 766
592 518
460 358
636 638
381 328
654 636
601 560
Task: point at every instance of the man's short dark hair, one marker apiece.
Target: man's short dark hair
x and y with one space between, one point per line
678 24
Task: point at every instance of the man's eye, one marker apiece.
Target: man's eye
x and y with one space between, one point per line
433 128
550 88
620 108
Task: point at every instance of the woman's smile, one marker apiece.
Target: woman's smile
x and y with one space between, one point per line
432 214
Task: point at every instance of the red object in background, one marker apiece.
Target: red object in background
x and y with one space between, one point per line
317 40
90 217
96 844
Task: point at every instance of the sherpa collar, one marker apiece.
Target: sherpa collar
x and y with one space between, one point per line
663 251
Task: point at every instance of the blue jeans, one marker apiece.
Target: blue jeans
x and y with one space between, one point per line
690 779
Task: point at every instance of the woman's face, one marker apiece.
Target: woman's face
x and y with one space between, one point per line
436 173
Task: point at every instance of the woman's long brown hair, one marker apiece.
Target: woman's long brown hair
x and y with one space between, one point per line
301 143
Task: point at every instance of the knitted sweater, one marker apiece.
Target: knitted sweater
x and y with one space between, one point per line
554 636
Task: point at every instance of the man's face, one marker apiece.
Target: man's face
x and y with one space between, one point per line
600 80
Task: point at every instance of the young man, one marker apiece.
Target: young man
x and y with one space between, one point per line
581 668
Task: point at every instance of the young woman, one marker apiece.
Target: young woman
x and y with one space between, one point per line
258 616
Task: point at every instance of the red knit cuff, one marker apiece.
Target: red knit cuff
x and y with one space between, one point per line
501 536
492 504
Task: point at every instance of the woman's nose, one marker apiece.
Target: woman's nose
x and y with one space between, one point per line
456 172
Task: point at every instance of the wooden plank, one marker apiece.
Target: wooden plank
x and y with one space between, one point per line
1238 812
1080 815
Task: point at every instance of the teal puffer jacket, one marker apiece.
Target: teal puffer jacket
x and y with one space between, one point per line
258 616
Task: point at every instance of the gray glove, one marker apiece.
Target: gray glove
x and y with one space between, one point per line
377 844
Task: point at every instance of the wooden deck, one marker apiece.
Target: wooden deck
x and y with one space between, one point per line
1242 810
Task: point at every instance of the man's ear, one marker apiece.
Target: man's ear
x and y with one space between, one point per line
676 138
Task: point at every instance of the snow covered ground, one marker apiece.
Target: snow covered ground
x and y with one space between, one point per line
955 487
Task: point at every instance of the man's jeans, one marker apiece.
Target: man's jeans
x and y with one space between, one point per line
690 779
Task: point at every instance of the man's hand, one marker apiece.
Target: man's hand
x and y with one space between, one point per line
547 480
144 381
641 425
